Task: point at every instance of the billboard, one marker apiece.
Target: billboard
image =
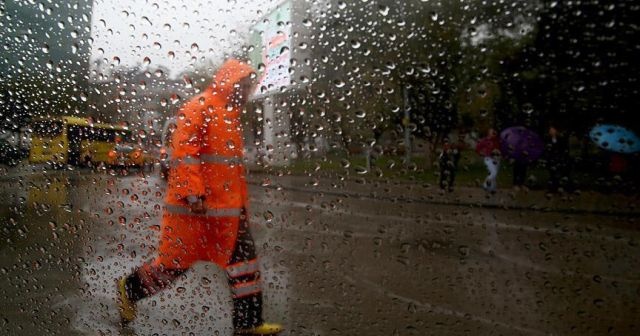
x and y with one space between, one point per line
271 38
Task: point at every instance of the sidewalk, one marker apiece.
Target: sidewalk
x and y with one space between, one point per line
587 202
529 200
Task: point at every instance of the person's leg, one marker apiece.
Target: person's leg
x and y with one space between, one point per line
243 274
565 177
492 166
146 281
177 251
452 176
496 170
554 177
444 170
519 173
487 185
149 280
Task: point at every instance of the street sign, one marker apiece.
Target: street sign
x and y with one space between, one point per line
271 38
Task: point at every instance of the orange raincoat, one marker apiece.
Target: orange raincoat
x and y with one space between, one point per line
206 163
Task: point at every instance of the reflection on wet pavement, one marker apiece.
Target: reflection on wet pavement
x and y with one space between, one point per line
331 265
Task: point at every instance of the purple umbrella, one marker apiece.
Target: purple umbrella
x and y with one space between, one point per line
521 144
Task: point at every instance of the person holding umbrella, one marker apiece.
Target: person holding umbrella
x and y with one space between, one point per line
523 146
619 141
558 159
489 148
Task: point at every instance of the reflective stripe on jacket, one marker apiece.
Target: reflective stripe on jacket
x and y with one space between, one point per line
206 160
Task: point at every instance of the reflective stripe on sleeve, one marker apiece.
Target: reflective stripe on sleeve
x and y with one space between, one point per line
207 158
222 212
214 158
243 268
246 289
186 160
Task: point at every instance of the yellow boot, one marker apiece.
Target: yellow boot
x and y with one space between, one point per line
126 306
263 329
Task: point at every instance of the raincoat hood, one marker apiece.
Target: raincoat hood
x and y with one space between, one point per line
230 74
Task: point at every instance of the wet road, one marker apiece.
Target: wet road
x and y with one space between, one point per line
332 265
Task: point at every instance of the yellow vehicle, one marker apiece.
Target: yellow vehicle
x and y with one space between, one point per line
127 155
75 141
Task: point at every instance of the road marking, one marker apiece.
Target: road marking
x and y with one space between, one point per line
438 309
450 203
498 224
328 232
563 272
484 251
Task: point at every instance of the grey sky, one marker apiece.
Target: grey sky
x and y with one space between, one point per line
177 34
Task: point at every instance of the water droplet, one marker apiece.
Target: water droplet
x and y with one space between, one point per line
361 170
268 216
146 61
45 48
463 250
188 83
527 108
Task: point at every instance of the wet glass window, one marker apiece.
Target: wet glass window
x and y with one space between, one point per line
47 128
319 167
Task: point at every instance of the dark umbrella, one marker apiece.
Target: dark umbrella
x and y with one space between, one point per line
521 144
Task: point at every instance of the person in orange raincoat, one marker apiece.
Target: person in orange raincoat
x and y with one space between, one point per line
205 215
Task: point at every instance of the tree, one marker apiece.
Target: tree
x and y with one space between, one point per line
581 68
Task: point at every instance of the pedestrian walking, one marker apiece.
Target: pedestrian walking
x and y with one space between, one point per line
489 148
523 147
520 173
448 161
205 214
558 160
